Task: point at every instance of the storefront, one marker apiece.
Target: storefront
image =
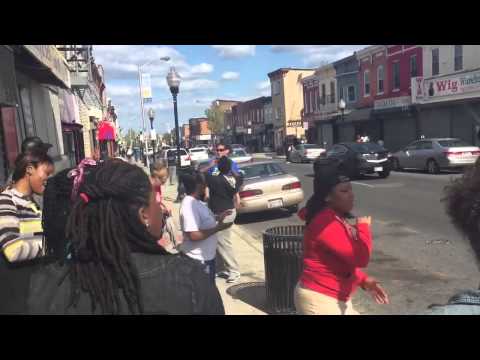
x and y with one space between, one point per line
106 139
72 129
448 106
359 121
8 131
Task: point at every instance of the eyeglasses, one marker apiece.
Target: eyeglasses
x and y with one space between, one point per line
220 150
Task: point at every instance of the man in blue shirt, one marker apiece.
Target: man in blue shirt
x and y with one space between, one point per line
222 150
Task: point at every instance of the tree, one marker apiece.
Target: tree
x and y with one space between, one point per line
167 138
131 137
216 120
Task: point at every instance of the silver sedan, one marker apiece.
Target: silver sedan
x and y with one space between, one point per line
434 155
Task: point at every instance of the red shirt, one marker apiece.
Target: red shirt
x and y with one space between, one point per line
333 255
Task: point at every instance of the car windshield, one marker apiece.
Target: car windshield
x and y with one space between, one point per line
261 170
197 150
453 143
174 153
311 146
238 153
367 147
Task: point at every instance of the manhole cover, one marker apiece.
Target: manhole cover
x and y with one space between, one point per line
235 289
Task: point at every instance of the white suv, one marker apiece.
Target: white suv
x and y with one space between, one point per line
185 159
198 154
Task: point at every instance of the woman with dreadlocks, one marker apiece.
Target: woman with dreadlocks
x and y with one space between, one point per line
334 250
113 264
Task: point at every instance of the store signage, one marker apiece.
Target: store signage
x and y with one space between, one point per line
392 102
146 88
446 87
305 125
49 56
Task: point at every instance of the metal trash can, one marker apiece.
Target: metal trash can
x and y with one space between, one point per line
283 257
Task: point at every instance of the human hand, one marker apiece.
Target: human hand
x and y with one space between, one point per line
223 215
372 286
364 220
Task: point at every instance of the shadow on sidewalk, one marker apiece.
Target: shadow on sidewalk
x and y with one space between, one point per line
251 293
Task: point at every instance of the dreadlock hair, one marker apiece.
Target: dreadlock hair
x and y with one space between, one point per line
57 204
104 231
463 205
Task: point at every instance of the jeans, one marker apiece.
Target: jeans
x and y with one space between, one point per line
210 269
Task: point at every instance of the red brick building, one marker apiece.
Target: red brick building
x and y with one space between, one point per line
199 131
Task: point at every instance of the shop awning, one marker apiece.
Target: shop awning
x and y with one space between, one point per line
68 126
106 131
358 115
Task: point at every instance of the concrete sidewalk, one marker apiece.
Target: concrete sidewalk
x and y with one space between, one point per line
247 296
268 156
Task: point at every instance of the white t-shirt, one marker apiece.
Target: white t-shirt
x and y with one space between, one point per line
195 215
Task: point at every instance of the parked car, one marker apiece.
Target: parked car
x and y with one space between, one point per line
305 153
434 155
237 146
240 156
356 159
267 186
198 154
171 154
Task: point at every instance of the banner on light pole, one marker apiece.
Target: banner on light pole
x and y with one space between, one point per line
146 88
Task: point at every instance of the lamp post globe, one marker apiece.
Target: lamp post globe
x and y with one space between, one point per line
173 82
341 106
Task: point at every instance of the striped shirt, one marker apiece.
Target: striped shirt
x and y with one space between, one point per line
21 233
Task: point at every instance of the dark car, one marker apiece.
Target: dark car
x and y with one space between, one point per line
356 159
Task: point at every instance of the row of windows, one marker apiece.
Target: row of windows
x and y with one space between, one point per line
457 56
395 76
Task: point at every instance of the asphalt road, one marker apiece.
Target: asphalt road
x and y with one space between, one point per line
416 249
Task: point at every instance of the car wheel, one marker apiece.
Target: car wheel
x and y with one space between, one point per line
293 209
396 164
432 167
384 174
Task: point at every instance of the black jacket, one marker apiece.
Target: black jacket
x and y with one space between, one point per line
170 284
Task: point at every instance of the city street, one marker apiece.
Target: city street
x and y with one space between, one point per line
418 255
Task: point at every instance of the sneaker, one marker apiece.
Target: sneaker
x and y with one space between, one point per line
222 274
234 277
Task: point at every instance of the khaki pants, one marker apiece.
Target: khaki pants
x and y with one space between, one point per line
309 302
226 252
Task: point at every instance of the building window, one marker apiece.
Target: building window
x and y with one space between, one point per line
317 97
435 62
308 102
351 94
341 93
380 79
276 87
313 102
366 83
396 75
332 92
413 66
458 57
324 95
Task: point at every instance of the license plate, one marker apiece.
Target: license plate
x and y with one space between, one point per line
275 203
378 168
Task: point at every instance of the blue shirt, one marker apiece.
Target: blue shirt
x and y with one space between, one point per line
214 170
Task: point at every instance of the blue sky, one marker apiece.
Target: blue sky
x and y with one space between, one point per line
209 72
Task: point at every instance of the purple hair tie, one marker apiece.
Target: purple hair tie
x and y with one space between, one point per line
78 174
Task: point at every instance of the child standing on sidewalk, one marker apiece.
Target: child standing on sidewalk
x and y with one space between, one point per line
199 224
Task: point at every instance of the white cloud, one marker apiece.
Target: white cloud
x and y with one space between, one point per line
202 69
263 85
122 90
234 51
230 75
316 55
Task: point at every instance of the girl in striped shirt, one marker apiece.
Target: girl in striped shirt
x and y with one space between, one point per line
21 235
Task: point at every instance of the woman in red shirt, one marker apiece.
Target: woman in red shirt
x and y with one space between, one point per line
334 250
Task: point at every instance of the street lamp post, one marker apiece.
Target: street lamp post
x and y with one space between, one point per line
166 58
173 81
151 116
